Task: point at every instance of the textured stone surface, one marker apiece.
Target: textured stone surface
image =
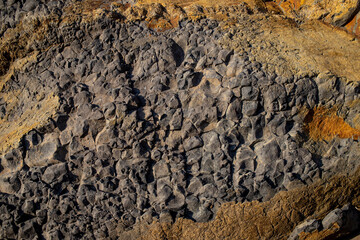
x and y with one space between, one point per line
335 12
136 120
272 219
338 13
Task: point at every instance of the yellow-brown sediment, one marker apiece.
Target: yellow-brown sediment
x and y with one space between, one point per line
12 131
328 10
320 235
273 219
324 124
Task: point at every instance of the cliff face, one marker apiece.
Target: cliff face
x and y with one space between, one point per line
179 119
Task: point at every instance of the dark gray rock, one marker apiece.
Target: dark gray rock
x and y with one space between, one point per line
194 185
165 217
188 79
174 102
224 125
161 169
308 226
55 173
249 93
12 159
177 202
266 190
245 159
27 230
29 207
192 143
176 120
211 141
347 218
207 163
41 216
233 112
33 138
249 108
45 152
8 230
202 215
267 151
275 98
201 117
164 193
306 93
128 202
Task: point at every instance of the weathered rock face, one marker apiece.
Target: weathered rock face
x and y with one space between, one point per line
338 13
114 117
335 12
264 220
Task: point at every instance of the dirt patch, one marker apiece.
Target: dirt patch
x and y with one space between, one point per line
287 48
325 124
339 13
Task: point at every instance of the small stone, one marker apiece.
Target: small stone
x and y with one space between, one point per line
192 143
176 120
211 141
164 193
249 93
267 152
42 154
161 169
29 207
165 217
128 203
8 230
202 215
174 102
194 186
27 230
250 108
54 173
156 155
177 202
306 227
224 125
347 218
233 112
81 98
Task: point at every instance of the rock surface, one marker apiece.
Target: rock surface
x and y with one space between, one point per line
338 13
135 120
